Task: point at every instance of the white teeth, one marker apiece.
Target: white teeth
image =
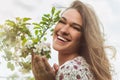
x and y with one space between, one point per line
61 38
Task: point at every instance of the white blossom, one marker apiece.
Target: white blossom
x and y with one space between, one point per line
29 44
41 47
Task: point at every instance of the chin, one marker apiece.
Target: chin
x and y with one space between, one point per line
58 48
55 47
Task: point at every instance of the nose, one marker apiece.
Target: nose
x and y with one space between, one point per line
65 30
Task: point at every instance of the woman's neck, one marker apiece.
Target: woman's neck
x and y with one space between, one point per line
63 57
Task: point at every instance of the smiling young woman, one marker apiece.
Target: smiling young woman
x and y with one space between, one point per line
67 32
67 41
80 45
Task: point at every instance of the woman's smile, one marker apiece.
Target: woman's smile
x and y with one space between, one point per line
67 33
61 40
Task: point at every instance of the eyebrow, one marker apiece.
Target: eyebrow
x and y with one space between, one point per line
72 23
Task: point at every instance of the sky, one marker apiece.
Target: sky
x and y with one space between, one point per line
107 10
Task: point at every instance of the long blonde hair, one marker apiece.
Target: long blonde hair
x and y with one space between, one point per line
93 49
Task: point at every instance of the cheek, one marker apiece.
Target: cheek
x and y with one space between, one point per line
56 28
77 38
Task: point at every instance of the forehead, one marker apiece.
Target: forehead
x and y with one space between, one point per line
73 15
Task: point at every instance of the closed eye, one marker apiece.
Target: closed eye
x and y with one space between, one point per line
75 27
61 21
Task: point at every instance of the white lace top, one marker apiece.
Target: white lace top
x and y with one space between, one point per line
76 69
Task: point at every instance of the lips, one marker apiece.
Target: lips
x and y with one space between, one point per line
62 38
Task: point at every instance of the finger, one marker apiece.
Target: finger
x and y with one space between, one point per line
47 65
39 64
34 61
33 55
38 67
56 67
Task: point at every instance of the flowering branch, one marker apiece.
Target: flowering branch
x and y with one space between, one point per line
18 42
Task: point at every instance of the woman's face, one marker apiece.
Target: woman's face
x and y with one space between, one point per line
67 33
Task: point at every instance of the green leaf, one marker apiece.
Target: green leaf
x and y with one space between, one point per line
1 26
56 19
51 31
2 34
26 66
36 25
10 66
24 41
53 10
45 38
47 15
24 54
8 54
43 22
47 55
22 37
10 23
36 32
57 13
45 19
26 19
35 40
18 18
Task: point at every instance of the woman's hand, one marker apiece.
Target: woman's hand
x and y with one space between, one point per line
42 69
56 67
